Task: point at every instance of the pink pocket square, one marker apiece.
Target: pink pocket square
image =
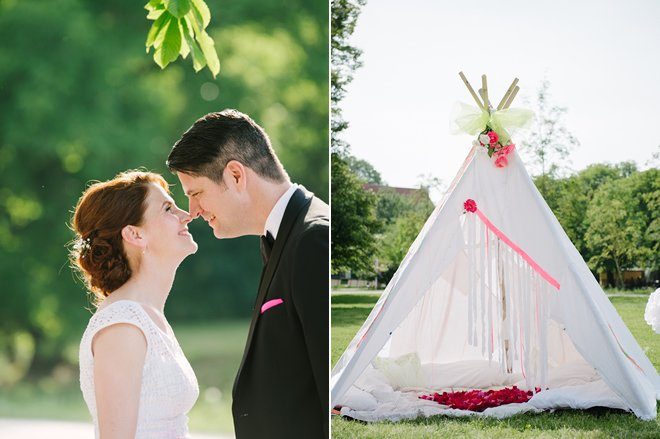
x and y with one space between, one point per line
271 303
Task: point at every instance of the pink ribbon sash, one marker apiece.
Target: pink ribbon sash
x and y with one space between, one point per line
544 274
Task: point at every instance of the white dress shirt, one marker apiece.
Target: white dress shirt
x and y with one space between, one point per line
277 213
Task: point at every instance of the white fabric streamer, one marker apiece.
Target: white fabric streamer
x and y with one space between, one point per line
527 326
507 298
482 267
485 273
472 274
491 292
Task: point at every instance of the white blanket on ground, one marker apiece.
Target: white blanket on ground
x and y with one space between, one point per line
375 398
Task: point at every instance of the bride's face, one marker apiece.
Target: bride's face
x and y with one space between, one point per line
165 226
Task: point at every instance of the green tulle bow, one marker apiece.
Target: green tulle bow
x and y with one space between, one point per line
472 120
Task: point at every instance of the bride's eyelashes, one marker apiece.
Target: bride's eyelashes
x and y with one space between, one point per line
169 206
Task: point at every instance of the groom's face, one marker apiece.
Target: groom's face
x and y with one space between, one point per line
217 203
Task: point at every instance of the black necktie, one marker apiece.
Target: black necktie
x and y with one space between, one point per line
266 246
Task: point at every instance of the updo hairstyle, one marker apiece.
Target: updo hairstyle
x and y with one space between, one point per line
103 210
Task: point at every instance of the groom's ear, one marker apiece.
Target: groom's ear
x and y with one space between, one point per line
133 235
236 173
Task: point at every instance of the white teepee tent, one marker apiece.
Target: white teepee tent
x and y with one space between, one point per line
493 293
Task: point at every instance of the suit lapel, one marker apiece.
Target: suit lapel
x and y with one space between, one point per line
298 201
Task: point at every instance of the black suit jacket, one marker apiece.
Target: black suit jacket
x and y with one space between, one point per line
281 389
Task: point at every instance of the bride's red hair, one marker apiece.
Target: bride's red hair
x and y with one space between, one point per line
103 210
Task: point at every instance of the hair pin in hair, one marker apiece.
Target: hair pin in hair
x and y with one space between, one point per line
82 246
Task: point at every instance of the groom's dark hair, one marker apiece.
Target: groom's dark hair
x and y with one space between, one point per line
217 138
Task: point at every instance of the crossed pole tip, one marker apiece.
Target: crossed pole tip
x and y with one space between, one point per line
471 90
484 103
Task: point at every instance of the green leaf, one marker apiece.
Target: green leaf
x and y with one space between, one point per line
157 31
199 61
161 34
169 51
155 13
154 4
195 23
178 8
185 48
197 56
203 12
208 49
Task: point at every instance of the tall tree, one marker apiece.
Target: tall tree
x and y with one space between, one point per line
548 143
654 161
403 217
353 221
345 60
363 170
619 217
570 197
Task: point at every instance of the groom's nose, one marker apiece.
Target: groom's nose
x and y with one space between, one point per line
194 209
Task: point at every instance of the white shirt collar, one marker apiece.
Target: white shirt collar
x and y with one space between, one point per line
277 213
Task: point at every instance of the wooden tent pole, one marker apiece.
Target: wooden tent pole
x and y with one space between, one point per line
511 97
474 95
484 87
508 92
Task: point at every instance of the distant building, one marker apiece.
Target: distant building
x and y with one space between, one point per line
632 278
421 194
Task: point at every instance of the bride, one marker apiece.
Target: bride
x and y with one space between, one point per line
130 239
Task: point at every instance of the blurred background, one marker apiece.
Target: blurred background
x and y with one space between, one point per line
80 100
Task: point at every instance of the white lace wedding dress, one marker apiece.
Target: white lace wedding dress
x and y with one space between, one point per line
169 386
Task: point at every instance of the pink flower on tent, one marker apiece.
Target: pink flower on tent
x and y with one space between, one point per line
492 135
470 205
506 150
501 161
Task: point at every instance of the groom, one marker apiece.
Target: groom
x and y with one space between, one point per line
234 180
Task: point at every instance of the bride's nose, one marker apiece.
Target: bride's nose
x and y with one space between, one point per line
184 216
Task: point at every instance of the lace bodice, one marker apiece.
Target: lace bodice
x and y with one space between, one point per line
169 386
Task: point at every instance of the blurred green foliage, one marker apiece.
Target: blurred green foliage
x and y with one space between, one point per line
214 350
80 100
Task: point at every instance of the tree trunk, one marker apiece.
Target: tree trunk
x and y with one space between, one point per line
619 275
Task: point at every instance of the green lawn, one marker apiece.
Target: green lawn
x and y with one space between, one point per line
350 310
213 349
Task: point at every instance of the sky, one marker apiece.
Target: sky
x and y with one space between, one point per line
602 59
